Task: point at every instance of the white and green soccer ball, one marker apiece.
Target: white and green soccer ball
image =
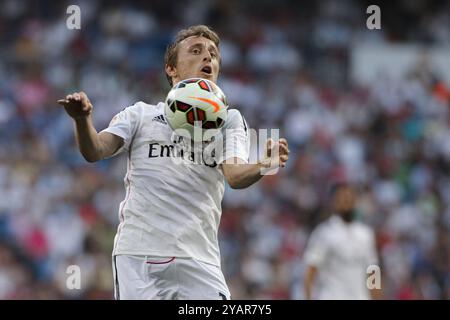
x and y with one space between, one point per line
196 108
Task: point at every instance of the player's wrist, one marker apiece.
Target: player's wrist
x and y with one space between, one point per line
82 119
264 163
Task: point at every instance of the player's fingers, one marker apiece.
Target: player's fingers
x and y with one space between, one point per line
69 97
284 158
82 94
269 145
283 149
77 96
84 100
283 141
62 101
87 105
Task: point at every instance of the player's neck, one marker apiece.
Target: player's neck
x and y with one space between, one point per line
346 218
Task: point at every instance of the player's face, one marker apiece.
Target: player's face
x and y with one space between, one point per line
198 57
344 202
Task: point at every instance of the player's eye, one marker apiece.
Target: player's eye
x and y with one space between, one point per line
196 51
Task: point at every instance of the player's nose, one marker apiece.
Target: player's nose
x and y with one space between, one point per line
207 57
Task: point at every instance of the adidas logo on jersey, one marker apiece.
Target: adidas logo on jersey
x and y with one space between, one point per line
160 119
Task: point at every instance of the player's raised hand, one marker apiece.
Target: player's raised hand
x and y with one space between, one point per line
77 105
277 153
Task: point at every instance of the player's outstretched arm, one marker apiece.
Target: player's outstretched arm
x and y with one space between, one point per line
93 146
240 175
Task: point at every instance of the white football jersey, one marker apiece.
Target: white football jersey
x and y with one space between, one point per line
173 196
342 252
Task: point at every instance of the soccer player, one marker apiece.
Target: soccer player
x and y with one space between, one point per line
339 252
166 246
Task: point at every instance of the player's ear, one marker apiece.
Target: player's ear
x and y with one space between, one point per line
171 71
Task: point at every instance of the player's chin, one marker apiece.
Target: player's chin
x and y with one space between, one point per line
208 76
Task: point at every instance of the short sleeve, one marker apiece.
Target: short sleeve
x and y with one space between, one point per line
124 124
317 248
372 256
236 141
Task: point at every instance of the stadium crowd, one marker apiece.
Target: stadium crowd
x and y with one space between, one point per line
284 65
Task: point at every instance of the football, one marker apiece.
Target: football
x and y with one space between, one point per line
196 108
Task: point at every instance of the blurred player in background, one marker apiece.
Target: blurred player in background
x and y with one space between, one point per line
166 246
339 252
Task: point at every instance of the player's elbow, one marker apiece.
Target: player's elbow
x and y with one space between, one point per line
236 183
236 177
91 158
232 181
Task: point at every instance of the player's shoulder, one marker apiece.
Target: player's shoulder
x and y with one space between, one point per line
328 227
141 109
363 228
323 228
142 106
234 114
235 119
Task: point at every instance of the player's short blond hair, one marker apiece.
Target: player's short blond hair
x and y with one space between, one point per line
170 58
